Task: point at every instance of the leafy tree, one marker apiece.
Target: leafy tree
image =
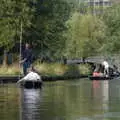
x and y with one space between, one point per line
84 36
112 21
12 14
48 28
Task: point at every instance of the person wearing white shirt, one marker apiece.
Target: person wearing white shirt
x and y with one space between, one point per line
106 68
31 76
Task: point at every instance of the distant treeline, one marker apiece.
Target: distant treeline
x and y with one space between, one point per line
59 28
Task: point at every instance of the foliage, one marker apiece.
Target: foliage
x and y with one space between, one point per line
45 26
12 13
112 21
84 69
62 70
49 25
10 70
53 69
84 36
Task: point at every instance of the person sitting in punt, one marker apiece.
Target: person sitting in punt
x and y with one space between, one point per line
97 72
31 76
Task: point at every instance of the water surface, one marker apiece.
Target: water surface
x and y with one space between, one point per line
80 99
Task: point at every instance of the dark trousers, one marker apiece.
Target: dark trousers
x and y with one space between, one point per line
26 65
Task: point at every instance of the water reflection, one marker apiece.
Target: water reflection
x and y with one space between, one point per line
9 102
67 100
62 100
30 104
101 94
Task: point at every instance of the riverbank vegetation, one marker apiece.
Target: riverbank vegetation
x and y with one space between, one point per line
58 29
49 69
63 70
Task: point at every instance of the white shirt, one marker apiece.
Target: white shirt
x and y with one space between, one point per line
32 76
105 63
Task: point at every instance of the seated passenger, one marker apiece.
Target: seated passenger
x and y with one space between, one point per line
96 73
31 76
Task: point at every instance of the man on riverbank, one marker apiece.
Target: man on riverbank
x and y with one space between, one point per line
26 58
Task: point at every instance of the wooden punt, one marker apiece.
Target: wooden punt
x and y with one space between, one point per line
103 77
113 76
31 84
100 78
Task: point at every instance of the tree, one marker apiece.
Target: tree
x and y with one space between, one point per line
112 21
49 25
12 13
85 35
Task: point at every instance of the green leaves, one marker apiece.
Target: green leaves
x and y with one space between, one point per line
50 25
12 13
45 26
112 21
84 36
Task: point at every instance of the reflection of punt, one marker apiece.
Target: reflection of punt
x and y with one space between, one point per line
103 77
112 76
100 78
31 84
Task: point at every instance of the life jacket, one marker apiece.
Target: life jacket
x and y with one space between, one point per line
96 74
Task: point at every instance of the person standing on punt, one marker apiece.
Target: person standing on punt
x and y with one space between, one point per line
26 58
106 68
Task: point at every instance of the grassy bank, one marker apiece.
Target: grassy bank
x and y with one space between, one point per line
62 70
13 69
51 69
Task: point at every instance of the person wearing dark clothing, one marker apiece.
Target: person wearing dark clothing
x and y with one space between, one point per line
26 58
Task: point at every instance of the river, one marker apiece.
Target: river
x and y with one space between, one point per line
80 99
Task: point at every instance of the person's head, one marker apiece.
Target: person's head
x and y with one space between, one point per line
30 69
27 45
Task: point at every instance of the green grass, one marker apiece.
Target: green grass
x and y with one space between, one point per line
10 70
50 69
62 70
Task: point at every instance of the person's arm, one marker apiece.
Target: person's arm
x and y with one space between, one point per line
19 81
22 61
26 56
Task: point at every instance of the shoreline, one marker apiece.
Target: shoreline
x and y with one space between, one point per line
15 78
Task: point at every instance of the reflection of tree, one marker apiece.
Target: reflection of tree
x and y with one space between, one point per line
69 99
100 95
114 94
53 107
9 102
62 100
30 104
